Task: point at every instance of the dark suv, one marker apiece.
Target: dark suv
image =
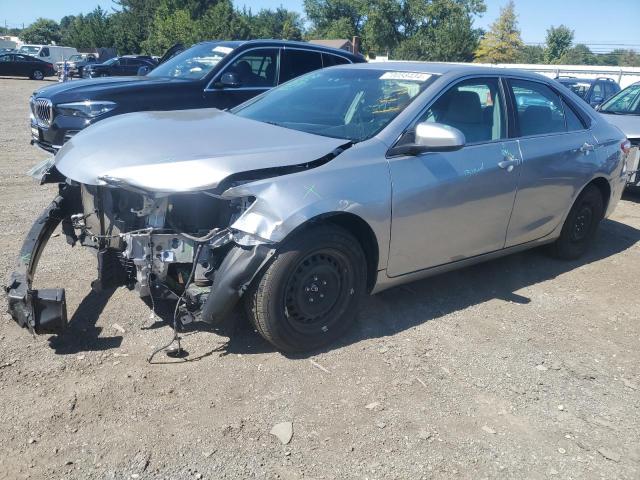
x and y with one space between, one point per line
594 91
118 66
210 74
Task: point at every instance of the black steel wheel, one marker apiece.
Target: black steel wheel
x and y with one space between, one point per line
309 292
581 225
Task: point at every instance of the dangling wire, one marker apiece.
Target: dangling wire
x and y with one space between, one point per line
176 336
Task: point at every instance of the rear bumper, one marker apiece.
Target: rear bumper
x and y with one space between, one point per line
41 311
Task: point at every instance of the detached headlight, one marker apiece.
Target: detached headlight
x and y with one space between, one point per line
87 109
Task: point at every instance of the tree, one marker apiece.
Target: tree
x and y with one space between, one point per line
280 23
87 31
42 31
559 40
578 55
168 28
438 30
502 43
224 22
531 54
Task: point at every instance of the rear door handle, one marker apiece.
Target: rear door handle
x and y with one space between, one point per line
508 164
587 147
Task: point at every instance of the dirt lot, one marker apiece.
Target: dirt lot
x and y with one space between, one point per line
525 367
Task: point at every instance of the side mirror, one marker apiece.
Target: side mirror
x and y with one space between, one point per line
229 80
431 137
143 70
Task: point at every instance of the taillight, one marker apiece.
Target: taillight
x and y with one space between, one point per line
625 147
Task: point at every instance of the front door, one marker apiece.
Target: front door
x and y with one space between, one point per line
6 65
454 205
256 71
558 159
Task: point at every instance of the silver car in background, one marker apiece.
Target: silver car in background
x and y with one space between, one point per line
345 181
623 111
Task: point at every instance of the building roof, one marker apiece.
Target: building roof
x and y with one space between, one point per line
340 43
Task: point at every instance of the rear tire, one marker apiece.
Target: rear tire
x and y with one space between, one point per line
308 296
37 75
581 225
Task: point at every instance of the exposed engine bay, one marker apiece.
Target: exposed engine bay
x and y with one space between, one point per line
170 246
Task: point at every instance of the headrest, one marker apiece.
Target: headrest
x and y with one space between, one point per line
464 107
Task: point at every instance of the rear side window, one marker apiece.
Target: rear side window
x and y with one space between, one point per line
573 121
294 63
329 60
539 109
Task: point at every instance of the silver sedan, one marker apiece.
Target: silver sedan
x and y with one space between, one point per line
342 182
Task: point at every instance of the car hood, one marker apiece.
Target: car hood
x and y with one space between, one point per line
186 150
629 124
102 85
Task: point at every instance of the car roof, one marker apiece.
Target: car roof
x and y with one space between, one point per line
282 43
576 80
438 68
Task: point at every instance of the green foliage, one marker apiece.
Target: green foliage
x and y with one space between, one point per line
433 30
279 24
559 40
42 31
502 43
578 55
531 54
441 30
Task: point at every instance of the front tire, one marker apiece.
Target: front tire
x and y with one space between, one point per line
37 75
308 296
581 225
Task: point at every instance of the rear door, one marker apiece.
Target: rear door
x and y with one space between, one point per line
448 206
295 62
558 157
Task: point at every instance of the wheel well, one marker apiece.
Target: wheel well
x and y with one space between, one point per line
605 190
360 229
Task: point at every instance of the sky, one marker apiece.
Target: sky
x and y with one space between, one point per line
600 24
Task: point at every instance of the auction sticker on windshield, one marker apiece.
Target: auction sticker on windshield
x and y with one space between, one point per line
415 76
222 49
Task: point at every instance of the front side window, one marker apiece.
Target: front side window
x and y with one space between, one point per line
298 62
353 104
626 102
474 107
539 111
194 63
256 68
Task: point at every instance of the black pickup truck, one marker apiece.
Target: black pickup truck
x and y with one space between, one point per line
219 74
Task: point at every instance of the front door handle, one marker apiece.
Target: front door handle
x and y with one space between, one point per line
587 147
508 164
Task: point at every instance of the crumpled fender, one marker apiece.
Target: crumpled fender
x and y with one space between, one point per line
349 184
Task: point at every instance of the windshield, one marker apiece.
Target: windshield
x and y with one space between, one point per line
29 49
110 61
354 104
626 102
194 63
75 58
580 88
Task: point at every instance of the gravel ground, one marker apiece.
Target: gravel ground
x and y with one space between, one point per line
524 367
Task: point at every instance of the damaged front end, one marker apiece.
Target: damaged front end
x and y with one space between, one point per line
171 246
